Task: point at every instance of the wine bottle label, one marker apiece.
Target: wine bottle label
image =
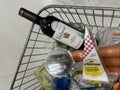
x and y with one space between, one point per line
67 35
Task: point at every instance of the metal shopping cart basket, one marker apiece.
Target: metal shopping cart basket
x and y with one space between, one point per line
38 44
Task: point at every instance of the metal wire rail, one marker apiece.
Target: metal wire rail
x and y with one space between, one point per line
38 45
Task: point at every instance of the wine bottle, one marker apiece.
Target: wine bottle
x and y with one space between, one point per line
56 29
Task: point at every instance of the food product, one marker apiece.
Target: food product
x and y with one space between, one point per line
52 74
93 68
114 69
112 61
44 78
58 62
108 36
77 55
109 51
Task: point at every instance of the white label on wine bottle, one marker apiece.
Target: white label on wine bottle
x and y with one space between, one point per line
67 35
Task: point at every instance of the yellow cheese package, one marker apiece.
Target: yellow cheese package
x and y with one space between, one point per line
93 67
76 74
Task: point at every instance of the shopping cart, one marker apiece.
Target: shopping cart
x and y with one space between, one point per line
38 45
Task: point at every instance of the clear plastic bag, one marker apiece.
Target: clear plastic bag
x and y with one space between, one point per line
53 73
108 36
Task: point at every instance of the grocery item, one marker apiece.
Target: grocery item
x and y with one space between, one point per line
93 68
108 36
56 29
44 78
59 62
108 51
114 69
55 70
77 55
117 86
115 61
76 74
61 83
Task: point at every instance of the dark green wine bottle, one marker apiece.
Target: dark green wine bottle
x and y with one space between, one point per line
56 29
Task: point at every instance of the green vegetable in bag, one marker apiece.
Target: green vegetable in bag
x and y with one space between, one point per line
44 78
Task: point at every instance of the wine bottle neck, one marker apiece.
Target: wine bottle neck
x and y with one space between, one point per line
30 16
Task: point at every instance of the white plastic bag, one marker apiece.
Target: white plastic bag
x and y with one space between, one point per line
108 36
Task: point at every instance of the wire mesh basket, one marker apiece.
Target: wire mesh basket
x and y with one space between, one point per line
38 44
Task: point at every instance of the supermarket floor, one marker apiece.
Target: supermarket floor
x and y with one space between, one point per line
14 30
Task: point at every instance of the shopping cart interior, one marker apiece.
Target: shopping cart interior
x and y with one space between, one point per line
38 45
